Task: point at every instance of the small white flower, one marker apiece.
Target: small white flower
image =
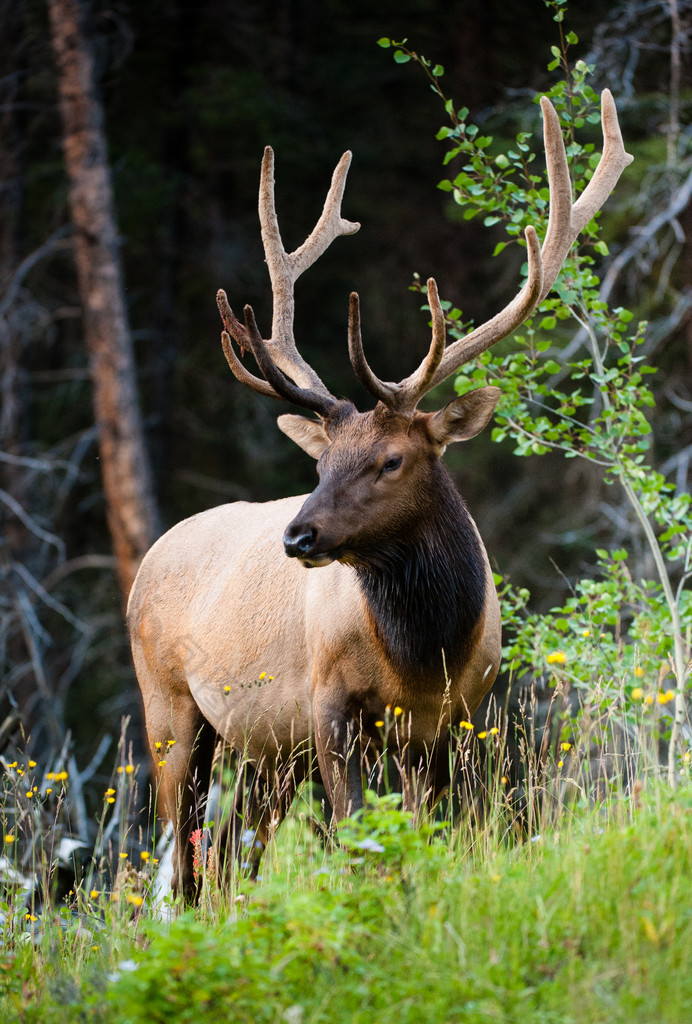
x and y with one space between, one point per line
370 844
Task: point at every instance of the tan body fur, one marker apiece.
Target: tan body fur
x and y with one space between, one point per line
202 618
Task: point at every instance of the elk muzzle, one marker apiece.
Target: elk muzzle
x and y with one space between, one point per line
305 540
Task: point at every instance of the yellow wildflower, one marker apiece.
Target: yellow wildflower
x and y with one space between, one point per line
586 632
556 658
494 731
639 671
649 699
482 735
161 763
136 901
263 675
226 689
129 768
145 855
158 744
565 746
169 743
665 697
110 791
504 780
49 790
30 917
379 723
94 894
60 776
398 711
10 837
637 693
560 764
32 764
465 725
123 855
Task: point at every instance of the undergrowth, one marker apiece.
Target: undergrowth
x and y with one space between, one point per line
587 918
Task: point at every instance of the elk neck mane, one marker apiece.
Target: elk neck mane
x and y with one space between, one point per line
425 590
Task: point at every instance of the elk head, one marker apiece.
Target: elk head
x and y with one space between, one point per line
388 458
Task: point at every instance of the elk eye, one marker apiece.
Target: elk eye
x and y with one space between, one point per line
392 464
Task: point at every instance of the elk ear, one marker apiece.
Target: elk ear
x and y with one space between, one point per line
464 417
309 435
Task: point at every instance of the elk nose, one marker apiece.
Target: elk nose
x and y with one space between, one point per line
299 540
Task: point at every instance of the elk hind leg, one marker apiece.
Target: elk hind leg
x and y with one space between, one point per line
182 746
259 805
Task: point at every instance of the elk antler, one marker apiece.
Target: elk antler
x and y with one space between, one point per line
284 269
565 221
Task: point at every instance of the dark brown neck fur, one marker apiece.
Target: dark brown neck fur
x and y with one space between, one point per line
426 590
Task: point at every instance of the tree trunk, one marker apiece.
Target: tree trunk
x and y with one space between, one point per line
130 503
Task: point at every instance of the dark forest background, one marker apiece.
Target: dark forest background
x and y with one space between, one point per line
190 94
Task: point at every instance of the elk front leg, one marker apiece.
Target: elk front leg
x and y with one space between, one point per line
337 741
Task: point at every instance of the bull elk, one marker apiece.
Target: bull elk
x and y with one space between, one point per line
233 639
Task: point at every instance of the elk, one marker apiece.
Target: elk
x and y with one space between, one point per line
234 638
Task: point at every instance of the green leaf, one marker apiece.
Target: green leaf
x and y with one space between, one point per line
572 38
384 43
438 71
401 58
547 323
602 248
502 161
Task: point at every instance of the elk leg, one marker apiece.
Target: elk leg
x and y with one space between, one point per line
337 740
257 809
425 777
182 746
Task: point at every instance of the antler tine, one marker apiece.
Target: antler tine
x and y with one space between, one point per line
281 386
285 268
383 391
419 382
238 332
503 323
402 397
565 222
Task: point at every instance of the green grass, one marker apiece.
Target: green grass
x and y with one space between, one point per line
590 922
